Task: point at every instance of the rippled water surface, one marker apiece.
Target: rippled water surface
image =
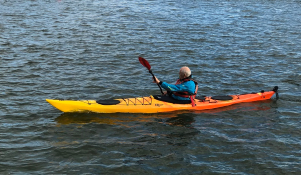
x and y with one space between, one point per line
89 50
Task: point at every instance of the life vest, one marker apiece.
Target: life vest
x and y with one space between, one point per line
186 94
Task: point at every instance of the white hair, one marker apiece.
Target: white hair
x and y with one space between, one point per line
185 72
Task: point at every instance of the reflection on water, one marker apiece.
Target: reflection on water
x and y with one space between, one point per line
84 118
185 119
110 119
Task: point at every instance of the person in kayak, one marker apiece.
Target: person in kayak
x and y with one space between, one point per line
185 87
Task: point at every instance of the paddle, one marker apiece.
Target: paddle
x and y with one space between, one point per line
145 63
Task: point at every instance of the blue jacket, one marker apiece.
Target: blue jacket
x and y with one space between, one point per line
188 86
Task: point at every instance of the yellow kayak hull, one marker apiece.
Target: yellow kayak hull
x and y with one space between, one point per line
152 105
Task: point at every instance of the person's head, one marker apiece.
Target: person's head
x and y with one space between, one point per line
184 72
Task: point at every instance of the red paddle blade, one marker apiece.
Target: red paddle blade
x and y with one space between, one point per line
145 63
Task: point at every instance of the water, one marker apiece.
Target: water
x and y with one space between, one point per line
89 50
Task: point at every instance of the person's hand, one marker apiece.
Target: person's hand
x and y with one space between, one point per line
156 80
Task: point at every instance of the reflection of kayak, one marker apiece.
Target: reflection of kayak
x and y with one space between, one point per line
179 118
155 104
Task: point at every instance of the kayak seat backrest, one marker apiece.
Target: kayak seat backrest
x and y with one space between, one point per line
226 97
108 102
170 99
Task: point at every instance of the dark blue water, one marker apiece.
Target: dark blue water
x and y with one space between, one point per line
89 50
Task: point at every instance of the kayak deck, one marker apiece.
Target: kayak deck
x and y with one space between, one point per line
153 105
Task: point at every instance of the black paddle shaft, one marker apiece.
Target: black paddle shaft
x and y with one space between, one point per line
151 72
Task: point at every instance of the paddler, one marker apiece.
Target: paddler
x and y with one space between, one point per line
185 87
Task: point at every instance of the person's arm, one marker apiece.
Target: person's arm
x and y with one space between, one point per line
157 81
188 86
184 87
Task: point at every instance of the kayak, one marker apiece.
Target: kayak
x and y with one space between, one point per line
157 103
